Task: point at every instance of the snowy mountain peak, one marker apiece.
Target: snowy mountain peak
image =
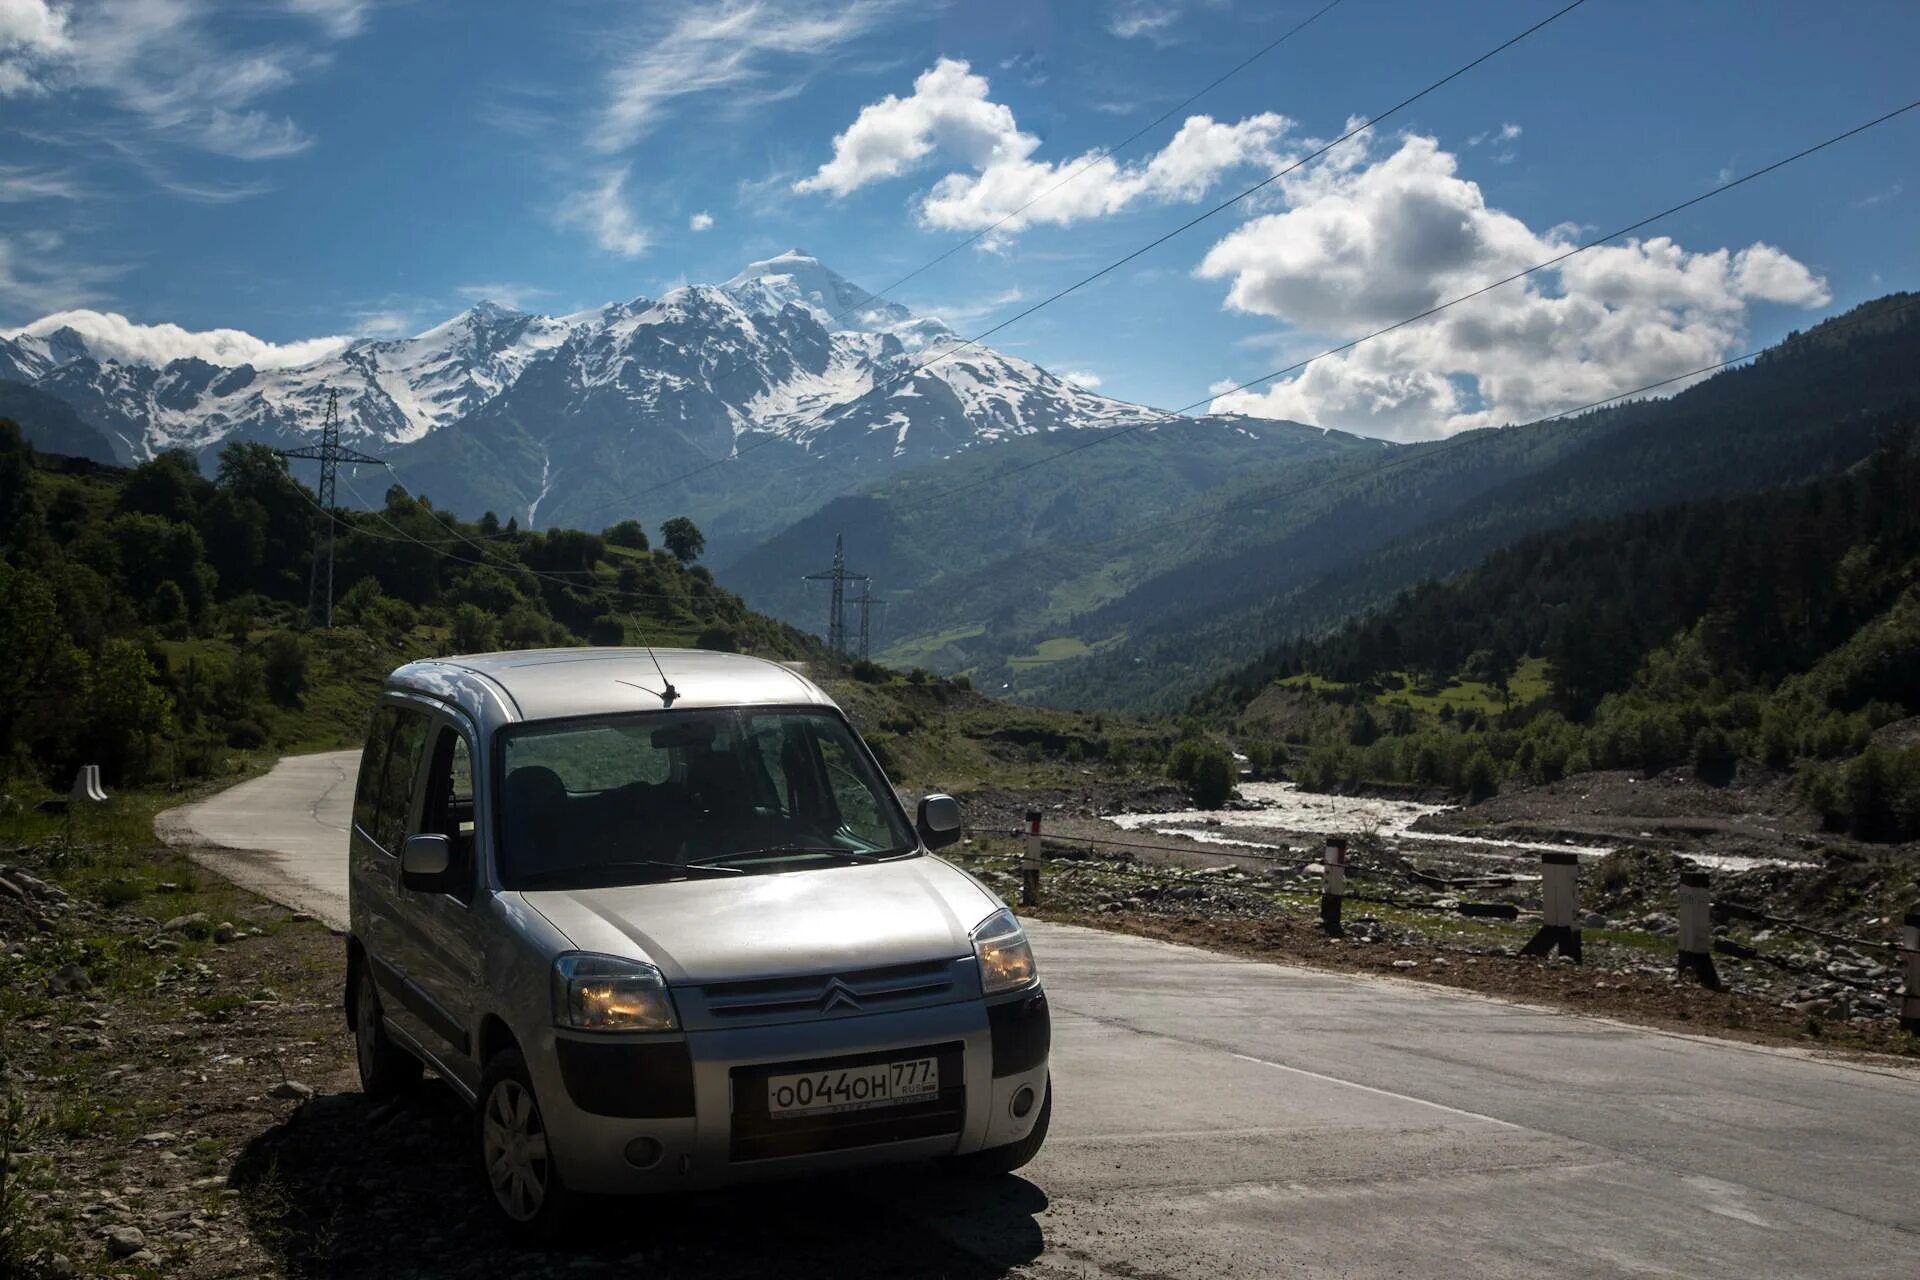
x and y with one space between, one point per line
798 277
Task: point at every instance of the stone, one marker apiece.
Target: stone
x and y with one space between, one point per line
69 977
158 1138
124 1242
225 932
194 922
1406 964
143 1258
291 1089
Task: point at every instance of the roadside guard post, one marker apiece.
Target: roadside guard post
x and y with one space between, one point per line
1910 1002
1558 874
1696 929
86 791
1335 864
1030 863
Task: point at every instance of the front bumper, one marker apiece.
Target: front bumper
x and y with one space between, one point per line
683 1098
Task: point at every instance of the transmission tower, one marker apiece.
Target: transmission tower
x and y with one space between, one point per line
837 610
329 454
866 601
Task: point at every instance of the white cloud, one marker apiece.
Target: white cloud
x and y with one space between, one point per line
949 113
170 65
21 183
519 297
601 211
1138 20
112 336
1366 244
701 221
1081 378
730 48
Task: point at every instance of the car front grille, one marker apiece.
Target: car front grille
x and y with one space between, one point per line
830 995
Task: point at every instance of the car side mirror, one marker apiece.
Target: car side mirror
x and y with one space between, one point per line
938 821
424 861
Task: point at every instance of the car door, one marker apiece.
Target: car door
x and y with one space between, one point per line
446 949
384 801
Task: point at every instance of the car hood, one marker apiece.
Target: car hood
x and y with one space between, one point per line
823 920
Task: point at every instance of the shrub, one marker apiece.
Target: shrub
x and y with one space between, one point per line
1207 770
283 664
720 638
628 533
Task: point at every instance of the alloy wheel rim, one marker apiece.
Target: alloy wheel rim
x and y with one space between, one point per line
514 1145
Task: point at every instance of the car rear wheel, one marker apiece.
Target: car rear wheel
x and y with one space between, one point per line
515 1157
996 1161
385 1068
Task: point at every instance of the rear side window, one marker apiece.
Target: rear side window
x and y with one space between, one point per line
384 797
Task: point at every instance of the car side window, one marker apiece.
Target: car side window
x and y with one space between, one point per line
858 809
448 808
394 802
373 762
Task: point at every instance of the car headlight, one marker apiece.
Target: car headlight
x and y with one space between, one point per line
1006 961
606 993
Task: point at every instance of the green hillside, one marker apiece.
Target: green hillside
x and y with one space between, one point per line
1780 629
153 621
1159 590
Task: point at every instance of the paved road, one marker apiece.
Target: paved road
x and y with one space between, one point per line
1220 1117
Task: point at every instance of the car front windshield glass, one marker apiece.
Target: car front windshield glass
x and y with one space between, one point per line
667 795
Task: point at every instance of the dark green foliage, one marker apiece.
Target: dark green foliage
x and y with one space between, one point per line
721 639
283 665
1206 769
628 533
683 539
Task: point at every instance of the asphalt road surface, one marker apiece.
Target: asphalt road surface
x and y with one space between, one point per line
1221 1117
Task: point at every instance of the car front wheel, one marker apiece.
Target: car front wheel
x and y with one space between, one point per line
515 1156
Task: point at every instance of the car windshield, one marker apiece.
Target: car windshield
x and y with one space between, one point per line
668 795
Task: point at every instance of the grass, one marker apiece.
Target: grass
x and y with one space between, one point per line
1058 649
917 651
1528 684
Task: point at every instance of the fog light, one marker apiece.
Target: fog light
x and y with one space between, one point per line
1022 1102
644 1153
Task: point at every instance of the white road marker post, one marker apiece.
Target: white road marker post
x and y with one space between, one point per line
1910 1002
1559 899
1334 862
1696 929
1030 863
86 790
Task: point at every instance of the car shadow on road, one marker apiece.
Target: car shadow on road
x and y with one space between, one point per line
345 1188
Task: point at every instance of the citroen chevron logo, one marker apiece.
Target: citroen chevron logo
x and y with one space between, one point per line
837 993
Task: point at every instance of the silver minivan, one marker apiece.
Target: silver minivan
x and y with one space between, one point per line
660 918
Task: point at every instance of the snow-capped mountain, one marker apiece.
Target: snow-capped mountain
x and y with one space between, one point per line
543 417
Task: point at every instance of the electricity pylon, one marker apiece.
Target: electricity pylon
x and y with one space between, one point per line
329 453
837 610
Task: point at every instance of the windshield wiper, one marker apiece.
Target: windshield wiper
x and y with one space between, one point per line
714 860
589 870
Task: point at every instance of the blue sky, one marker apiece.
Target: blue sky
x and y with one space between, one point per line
303 168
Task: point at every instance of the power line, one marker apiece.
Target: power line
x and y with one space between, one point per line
1349 345
951 351
330 453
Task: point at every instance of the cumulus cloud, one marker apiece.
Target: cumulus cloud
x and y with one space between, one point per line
1370 241
111 336
702 221
950 114
601 211
1081 378
752 51
33 39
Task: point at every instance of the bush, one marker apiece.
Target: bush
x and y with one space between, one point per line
719 638
1207 770
283 664
1478 779
867 672
628 533
474 631
1713 755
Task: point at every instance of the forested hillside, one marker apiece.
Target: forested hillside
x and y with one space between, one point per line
1146 615
1781 629
153 620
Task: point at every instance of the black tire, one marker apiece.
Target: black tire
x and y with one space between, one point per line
523 1185
385 1068
996 1162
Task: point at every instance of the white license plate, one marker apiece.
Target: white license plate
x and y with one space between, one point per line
879 1084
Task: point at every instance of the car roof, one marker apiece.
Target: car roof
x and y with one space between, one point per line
548 684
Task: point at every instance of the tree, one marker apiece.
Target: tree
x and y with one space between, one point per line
283 661
628 533
683 539
169 486
1207 770
720 638
474 630
125 708
607 630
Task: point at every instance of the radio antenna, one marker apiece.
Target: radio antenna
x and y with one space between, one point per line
668 692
